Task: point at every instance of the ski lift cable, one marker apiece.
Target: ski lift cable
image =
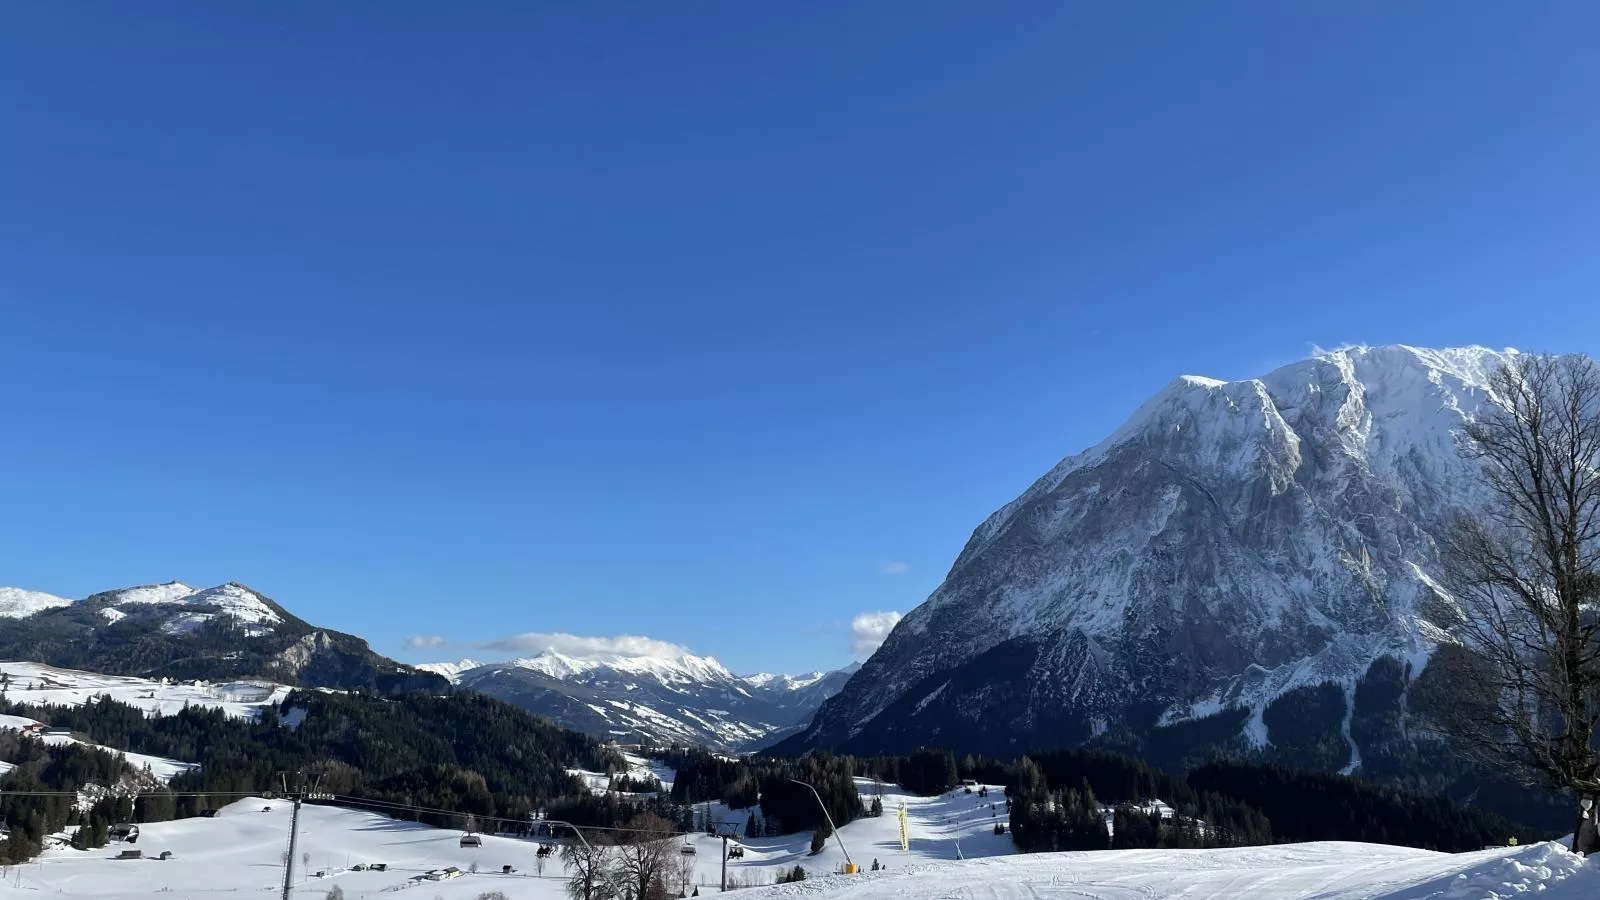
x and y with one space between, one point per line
340 798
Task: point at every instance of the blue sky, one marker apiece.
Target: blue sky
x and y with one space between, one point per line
719 323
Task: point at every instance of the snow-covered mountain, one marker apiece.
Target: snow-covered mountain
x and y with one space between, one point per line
660 697
450 670
1245 564
172 629
16 603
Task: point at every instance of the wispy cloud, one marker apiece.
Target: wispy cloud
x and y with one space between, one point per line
869 629
420 641
894 568
534 642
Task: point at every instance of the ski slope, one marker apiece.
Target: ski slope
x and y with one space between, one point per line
1322 871
639 768
948 827
35 683
239 853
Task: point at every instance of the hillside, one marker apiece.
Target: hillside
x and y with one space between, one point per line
226 632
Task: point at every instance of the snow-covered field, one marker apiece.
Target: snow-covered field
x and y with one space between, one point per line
240 852
1322 871
159 766
35 683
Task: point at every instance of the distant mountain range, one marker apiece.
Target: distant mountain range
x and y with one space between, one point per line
175 630
676 698
230 631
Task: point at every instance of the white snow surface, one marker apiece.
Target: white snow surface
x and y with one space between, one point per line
1323 871
239 853
37 684
17 603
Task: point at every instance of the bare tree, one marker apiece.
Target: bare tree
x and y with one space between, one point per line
645 858
594 871
1526 576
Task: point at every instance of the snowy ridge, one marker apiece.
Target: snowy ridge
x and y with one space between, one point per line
232 600
170 592
681 668
16 603
450 670
661 696
784 682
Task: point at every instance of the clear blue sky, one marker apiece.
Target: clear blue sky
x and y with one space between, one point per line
688 319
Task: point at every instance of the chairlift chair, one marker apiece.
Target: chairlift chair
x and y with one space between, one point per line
688 847
471 840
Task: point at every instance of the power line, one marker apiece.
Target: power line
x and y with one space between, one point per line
340 798
4 793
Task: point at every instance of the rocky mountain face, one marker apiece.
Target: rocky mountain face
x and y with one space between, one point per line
1243 566
679 698
174 630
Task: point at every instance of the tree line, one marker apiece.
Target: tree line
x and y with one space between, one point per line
770 784
66 768
1058 800
461 752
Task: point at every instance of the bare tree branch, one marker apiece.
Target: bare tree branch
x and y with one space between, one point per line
1526 575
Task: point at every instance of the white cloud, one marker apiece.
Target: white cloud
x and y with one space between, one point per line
894 568
419 641
869 629
535 642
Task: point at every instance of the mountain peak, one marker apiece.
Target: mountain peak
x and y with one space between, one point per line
17 603
1231 542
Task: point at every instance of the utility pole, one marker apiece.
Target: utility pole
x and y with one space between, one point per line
298 795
